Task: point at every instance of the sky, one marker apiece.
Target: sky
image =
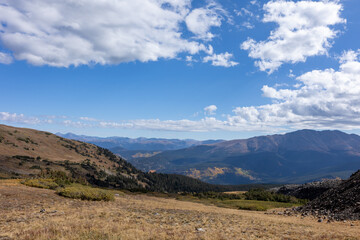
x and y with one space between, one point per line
179 68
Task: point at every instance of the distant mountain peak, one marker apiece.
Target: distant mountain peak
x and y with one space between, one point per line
297 156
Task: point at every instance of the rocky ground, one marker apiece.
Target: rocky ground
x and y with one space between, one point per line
32 213
310 190
339 203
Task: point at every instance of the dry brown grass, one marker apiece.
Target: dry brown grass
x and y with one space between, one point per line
33 143
145 217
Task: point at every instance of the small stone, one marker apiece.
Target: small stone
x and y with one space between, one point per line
42 210
320 220
117 195
156 214
200 230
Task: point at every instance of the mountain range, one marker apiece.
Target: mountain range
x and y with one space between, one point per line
137 147
296 157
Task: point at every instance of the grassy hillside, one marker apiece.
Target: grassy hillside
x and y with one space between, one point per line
27 152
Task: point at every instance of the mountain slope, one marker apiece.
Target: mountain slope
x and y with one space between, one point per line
293 157
28 152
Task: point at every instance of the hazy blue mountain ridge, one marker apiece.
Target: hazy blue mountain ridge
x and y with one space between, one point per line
297 157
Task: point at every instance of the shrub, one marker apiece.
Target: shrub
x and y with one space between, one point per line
59 177
263 195
41 183
82 192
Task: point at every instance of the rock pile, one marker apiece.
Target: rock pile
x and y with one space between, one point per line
339 203
310 190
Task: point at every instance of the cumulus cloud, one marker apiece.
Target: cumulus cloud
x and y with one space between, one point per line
200 20
5 58
210 110
304 30
65 33
222 59
322 99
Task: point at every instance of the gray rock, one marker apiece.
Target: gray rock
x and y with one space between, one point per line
308 190
339 203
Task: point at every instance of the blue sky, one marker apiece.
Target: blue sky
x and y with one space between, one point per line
180 69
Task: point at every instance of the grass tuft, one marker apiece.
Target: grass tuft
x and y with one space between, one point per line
82 192
41 183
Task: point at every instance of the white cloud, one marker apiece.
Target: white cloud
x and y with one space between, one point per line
222 59
210 110
88 119
204 125
349 56
303 31
247 25
243 12
5 58
77 124
65 33
18 118
323 99
200 20
189 59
